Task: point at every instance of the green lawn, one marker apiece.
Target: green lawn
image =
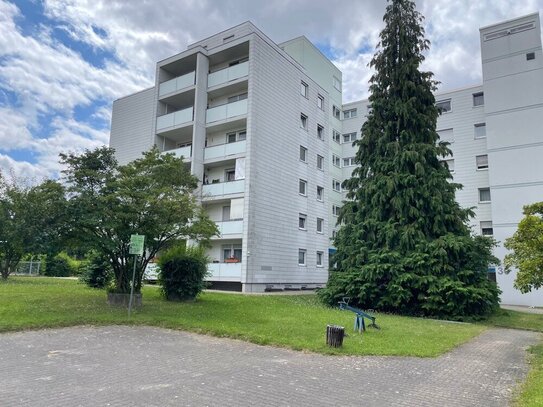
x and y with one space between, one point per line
532 390
518 320
296 322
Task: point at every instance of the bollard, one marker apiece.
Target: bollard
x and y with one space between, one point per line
334 335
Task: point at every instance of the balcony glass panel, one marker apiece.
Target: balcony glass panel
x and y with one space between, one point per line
225 149
228 74
231 227
185 152
226 111
224 188
175 84
174 119
224 271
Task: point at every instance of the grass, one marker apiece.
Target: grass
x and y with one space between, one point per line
532 390
296 322
517 320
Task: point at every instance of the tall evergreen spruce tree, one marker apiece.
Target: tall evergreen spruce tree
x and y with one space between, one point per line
404 244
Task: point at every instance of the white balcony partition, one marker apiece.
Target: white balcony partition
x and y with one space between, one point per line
228 74
174 119
224 188
224 271
226 111
225 149
185 152
230 227
175 84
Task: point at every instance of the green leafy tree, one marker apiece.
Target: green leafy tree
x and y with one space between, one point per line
150 196
404 245
31 219
526 247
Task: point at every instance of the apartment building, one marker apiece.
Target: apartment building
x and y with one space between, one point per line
263 126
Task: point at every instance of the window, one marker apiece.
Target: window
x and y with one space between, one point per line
348 162
337 84
484 194
304 89
320 102
446 135
349 114
302 221
336 160
530 56
450 164
238 61
320 225
482 162
236 136
302 187
334 234
231 252
478 99
480 130
230 175
369 109
336 185
335 112
486 228
320 162
335 210
320 193
301 257
320 132
303 154
303 121
320 257
444 106
336 136
349 137
237 98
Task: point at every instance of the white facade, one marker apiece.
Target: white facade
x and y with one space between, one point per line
264 128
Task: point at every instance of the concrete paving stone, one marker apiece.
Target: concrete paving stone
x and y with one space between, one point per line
145 366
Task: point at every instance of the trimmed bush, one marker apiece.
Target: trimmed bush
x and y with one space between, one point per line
97 273
57 266
182 273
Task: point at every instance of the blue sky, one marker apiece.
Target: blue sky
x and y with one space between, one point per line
63 62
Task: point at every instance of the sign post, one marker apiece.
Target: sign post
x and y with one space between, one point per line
136 248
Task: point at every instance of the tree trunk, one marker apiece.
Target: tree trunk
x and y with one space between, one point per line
334 335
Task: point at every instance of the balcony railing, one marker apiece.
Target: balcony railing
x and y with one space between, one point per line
224 188
175 84
224 271
225 149
228 74
226 111
230 227
185 152
174 119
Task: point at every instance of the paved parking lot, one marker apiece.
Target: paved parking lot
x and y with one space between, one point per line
143 366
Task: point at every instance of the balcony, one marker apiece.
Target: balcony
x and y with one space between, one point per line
226 111
228 74
230 227
185 152
224 271
176 84
224 150
175 119
224 188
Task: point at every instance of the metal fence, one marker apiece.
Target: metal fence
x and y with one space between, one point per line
28 268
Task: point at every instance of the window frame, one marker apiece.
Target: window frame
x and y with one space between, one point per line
320 160
320 99
335 183
336 161
439 102
303 154
321 197
304 121
336 136
478 99
320 258
350 113
302 221
479 126
479 190
320 132
321 222
486 225
481 167
304 183
304 89
336 112
303 253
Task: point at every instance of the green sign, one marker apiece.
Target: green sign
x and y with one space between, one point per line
136 244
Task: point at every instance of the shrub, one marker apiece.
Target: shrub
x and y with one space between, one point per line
182 273
97 273
57 266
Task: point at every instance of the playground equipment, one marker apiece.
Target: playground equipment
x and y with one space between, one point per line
359 324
